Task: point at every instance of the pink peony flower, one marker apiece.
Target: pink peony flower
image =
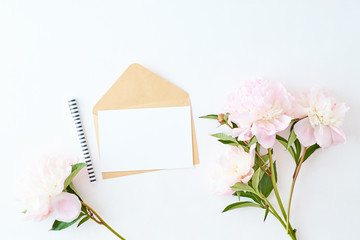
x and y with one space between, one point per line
260 108
43 191
66 207
321 118
234 166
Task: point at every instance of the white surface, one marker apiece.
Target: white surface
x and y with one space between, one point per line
143 139
51 50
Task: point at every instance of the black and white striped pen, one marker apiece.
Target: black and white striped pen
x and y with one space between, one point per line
80 131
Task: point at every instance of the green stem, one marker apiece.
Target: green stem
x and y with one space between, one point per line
262 168
296 173
264 163
289 203
274 184
273 212
228 125
288 228
101 221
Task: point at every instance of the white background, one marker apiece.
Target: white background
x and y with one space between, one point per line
51 50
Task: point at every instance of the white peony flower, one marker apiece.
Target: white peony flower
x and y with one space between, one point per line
42 193
321 119
234 166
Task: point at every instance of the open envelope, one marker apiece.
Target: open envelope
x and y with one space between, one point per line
138 88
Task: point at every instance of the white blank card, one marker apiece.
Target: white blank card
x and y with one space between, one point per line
145 139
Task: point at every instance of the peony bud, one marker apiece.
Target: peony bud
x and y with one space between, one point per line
221 118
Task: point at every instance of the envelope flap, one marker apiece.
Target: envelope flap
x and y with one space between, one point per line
138 87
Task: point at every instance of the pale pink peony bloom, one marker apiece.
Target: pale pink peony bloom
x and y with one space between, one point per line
235 165
42 192
261 108
321 118
66 207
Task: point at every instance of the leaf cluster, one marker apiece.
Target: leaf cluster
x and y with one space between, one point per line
293 146
260 186
255 192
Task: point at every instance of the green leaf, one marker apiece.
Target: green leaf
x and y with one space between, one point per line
74 171
266 186
226 139
243 187
293 121
71 189
265 157
234 125
238 194
281 140
83 220
266 214
250 195
291 139
223 136
241 205
242 143
256 178
244 146
298 149
25 211
257 159
252 141
210 116
284 142
310 150
229 142
258 146
58 225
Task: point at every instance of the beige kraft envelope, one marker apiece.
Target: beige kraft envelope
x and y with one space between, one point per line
138 87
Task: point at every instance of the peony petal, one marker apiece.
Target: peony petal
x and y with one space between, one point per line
323 136
252 155
305 132
267 127
338 135
242 119
72 160
243 134
61 181
267 141
281 123
235 165
66 207
221 183
247 178
38 208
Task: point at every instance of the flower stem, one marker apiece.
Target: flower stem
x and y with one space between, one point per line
278 198
228 125
101 221
292 235
274 184
296 173
263 162
262 168
273 212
